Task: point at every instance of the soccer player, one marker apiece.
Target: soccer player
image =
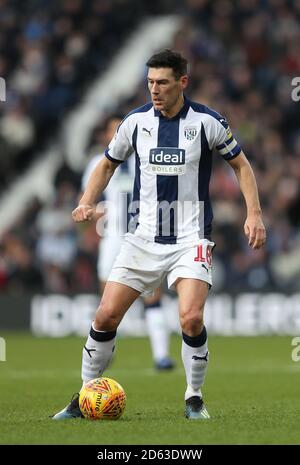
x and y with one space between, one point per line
172 139
117 195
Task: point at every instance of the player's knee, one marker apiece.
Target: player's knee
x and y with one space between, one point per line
107 318
192 321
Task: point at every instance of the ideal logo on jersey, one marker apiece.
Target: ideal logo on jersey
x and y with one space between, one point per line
169 161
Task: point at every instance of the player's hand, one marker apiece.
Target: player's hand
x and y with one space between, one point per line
255 231
83 213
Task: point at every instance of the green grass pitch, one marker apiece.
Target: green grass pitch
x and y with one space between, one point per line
251 392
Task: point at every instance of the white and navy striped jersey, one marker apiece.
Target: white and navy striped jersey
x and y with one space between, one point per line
173 159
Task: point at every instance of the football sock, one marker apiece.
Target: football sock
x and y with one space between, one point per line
97 353
157 330
194 354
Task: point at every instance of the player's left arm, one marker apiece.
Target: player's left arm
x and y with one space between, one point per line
254 227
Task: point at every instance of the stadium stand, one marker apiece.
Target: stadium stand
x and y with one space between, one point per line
240 65
49 53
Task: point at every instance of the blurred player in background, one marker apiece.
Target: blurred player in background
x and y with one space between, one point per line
172 138
110 244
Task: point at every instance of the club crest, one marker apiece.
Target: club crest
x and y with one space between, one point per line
190 132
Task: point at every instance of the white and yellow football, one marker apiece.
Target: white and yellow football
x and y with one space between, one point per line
102 399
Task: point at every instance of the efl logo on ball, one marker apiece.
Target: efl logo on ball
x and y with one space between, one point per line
102 399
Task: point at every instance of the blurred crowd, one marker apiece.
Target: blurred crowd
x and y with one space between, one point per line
49 51
243 56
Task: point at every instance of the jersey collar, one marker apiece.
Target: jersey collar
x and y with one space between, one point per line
181 114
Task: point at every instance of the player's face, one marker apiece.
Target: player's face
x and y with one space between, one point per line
166 90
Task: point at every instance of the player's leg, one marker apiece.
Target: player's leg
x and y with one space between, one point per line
100 344
190 274
123 287
97 354
192 295
109 247
158 331
98 350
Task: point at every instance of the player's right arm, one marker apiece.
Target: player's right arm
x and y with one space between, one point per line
119 149
98 181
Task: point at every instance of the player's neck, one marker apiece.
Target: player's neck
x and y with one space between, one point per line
175 108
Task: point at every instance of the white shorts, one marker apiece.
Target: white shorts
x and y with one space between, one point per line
142 265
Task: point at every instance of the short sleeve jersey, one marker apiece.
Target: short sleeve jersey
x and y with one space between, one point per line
173 160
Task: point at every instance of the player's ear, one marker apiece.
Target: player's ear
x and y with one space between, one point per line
184 81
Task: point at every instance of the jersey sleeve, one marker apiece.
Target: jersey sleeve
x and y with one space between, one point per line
224 141
120 148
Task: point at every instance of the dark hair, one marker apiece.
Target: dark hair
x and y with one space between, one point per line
169 59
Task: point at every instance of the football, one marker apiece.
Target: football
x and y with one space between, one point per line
102 399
